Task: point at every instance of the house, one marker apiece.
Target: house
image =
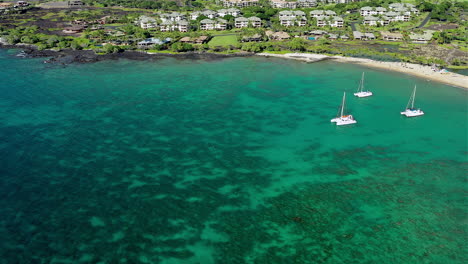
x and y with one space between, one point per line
105 20
73 29
277 35
421 38
363 36
147 22
75 3
370 20
80 22
254 37
150 42
21 4
239 3
199 40
332 36
283 4
4 6
241 22
230 11
218 24
389 36
344 37
306 3
318 33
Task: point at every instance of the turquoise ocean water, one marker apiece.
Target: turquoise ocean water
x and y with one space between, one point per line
227 161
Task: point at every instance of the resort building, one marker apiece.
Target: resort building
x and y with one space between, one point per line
292 18
322 13
209 14
150 42
75 3
372 11
401 5
389 36
73 29
277 35
168 25
254 37
146 22
370 21
283 4
241 22
239 3
306 3
217 24
421 38
199 40
174 16
330 21
363 36
230 11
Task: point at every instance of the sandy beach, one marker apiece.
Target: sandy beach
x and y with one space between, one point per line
421 71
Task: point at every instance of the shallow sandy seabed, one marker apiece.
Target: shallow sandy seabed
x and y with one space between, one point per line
421 71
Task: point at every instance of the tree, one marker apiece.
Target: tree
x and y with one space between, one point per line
298 44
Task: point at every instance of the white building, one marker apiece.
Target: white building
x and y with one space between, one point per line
230 11
239 3
241 22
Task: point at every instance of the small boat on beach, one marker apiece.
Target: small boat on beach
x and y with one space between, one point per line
410 111
360 92
343 119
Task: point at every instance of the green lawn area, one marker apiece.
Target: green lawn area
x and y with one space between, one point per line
223 41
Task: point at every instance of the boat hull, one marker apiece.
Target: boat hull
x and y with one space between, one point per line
363 94
412 113
344 120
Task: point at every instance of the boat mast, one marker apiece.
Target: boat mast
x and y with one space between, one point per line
414 96
362 82
342 104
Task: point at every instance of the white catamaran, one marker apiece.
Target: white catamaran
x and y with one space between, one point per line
360 91
343 119
411 111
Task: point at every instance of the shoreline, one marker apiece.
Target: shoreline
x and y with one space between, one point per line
421 71
69 56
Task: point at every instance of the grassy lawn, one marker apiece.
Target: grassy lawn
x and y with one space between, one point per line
223 41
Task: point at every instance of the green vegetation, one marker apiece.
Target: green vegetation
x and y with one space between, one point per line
223 41
120 33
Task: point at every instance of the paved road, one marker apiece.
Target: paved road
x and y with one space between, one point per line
428 17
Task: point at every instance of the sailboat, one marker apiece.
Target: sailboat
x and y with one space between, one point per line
343 119
360 91
411 111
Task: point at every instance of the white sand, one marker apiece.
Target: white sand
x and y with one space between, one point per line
421 71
